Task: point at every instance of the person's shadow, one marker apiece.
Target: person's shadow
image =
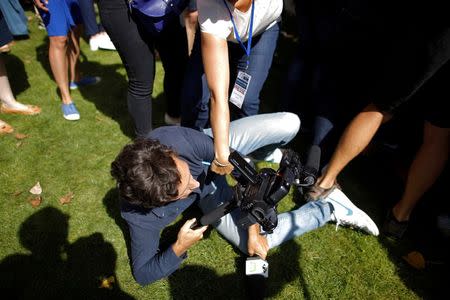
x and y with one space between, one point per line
200 282
15 65
56 269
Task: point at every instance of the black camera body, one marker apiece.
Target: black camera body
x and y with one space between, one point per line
257 194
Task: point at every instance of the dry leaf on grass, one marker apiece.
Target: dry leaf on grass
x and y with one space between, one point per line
17 193
415 259
36 189
35 201
66 199
106 283
19 144
21 136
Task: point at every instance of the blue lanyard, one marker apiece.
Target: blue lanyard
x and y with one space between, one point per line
238 38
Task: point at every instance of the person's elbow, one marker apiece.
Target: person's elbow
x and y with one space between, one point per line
144 278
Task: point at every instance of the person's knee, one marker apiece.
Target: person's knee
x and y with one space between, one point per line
140 89
289 123
59 42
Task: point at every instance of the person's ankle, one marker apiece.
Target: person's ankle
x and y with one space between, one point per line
399 215
14 105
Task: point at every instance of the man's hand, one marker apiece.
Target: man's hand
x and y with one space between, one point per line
257 243
221 168
41 4
187 237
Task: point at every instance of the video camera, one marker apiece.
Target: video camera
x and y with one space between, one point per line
258 193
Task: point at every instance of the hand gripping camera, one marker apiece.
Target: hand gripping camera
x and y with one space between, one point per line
258 193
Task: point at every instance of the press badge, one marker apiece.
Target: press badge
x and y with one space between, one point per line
240 88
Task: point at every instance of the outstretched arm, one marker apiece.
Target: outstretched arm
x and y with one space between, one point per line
215 61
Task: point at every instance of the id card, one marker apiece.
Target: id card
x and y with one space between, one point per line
256 266
240 88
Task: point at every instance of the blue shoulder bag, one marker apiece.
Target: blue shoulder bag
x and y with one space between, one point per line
156 14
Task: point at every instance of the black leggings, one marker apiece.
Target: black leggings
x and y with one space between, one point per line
136 48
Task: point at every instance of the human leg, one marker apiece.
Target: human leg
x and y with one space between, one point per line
172 48
195 92
354 139
251 133
260 61
426 167
73 53
58 20
57 55
291 224
336 207
312 215
9 104
137 53
87 11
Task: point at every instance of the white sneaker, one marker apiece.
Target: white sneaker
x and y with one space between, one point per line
346 213
101 41
275 156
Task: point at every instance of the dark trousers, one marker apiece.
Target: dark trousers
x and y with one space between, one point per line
136 48
87 11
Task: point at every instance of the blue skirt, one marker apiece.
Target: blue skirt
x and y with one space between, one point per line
62 15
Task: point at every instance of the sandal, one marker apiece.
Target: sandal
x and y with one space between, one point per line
31 110
5 128
316 192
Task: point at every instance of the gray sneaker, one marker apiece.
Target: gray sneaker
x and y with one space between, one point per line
346 213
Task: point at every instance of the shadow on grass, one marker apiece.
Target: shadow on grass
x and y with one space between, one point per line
57 269
112 206
199 282
109 96
15 67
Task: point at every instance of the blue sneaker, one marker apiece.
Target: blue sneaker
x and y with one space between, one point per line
70 112
87 80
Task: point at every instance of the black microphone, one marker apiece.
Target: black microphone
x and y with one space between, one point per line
312 165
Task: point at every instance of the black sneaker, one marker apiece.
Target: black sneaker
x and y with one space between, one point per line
393 228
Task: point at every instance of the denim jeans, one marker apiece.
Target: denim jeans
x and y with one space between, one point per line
195 92
247 135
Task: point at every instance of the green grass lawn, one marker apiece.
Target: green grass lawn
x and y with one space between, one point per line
66 251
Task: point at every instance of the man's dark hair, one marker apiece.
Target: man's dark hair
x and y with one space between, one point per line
146 173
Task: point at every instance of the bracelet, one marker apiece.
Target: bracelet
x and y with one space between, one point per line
217 163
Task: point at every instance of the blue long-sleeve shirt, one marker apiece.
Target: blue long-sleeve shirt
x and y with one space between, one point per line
149 262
